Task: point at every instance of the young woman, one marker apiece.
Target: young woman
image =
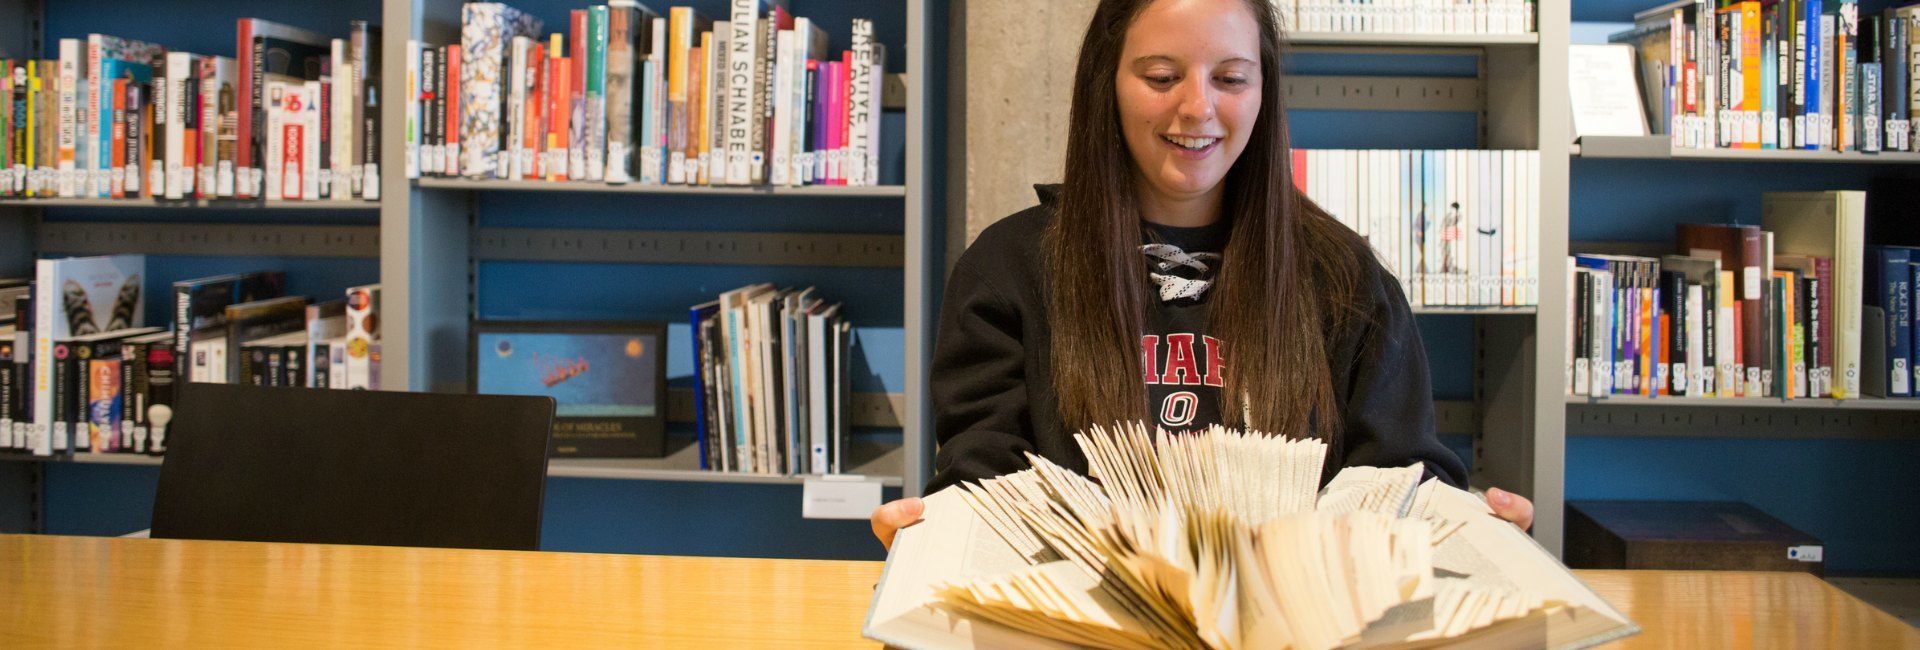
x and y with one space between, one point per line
1177 276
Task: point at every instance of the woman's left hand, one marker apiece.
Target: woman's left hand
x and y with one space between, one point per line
1511 507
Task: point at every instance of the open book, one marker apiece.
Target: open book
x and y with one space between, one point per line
1220 539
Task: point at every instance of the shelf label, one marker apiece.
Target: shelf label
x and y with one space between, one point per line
839 496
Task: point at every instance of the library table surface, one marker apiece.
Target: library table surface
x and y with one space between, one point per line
110 592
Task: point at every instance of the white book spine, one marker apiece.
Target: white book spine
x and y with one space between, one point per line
653 155
70 128
310 145
412 97
340 148
737 83
178 177
779 142
859 102
40 438
516 122
276 93
712 166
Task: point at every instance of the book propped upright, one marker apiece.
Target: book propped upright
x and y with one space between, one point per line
1168 545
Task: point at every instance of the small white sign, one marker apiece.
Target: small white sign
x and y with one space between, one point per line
839 496
1804 553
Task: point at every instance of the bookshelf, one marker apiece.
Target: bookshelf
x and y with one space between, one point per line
1625 195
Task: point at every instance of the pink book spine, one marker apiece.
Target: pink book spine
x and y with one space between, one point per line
836 120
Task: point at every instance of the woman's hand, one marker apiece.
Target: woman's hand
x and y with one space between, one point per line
1506 505
891 516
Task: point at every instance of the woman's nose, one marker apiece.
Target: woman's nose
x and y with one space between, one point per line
1196 104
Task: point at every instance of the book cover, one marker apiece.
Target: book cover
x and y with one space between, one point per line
607 379
362 339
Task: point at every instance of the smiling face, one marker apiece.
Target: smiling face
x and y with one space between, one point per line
1188 88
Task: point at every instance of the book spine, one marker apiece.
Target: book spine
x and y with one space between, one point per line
516 90
250 53
309 151
1895 277
1913 318
360 119
595 143
765 56
560 111
9 382
534 131
415 57
450 149
859 103
737 84
577 123
624 28
333 73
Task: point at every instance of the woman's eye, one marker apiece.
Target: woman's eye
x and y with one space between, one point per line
1233 81
1160 80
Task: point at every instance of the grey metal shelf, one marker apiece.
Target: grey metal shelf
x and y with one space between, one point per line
882 461
190 204
1362 38
1517 310
834 191
1659 147
1862 404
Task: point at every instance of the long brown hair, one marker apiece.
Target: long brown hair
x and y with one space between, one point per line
1288 278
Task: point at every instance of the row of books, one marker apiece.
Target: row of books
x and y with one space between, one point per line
293 115
1457 227
771 381
80 373
628 95
1408 16
1799 307
1793 74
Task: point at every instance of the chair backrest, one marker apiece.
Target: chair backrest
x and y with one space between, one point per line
354 467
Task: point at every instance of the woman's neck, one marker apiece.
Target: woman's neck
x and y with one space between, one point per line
1191 211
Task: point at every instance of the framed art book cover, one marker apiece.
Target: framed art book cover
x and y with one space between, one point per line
609 379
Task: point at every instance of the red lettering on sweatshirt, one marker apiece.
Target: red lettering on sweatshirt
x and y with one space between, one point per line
1181 366
1216 361
1150 358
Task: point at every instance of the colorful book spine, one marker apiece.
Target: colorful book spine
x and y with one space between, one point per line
487 29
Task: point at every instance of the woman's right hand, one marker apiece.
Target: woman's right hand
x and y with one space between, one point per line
890 517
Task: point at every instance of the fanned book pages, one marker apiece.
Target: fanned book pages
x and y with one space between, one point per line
1221 539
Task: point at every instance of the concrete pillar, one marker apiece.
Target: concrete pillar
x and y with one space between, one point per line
1010 87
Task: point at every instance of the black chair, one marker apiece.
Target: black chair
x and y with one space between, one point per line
354 467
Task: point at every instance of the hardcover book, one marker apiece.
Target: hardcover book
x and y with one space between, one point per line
609 380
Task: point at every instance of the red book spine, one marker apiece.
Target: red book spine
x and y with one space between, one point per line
452 87
293 147
117 156
533 131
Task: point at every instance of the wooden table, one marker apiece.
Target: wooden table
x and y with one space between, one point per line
106 592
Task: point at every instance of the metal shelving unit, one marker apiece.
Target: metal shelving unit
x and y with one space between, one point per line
1659 147
1443 40
189 204
837 191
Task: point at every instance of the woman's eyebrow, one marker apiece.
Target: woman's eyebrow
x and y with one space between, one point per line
1163 58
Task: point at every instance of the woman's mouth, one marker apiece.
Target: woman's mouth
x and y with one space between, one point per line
1195 147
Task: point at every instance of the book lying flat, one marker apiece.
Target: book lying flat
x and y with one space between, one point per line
1220 539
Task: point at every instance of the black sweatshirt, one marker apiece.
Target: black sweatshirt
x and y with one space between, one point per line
992 386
